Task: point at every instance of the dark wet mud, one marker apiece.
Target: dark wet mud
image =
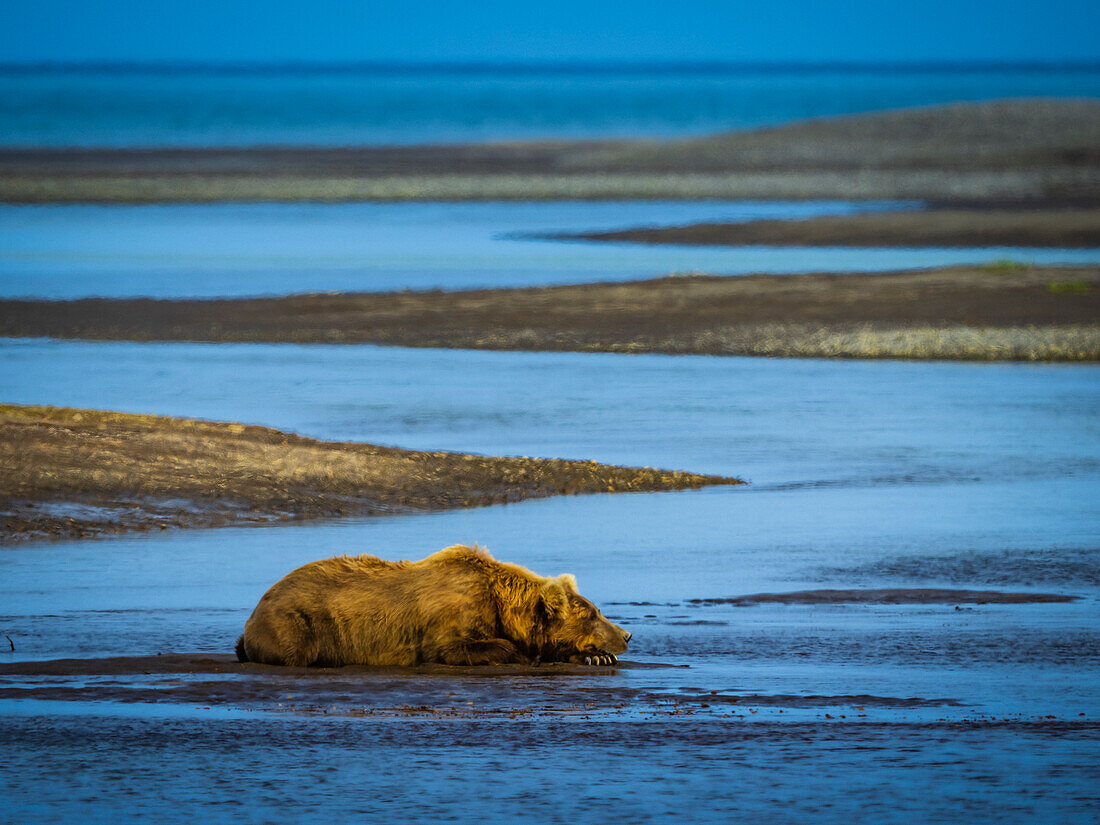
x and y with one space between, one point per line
198 663
433 690
891 595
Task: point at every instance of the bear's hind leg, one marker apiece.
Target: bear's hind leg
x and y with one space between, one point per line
298 643
486 652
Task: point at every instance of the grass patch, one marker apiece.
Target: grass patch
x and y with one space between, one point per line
1069 287
1006 266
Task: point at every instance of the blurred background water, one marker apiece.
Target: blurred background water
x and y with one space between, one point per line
233 249
198 105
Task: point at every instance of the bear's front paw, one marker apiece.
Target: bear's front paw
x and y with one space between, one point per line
596 658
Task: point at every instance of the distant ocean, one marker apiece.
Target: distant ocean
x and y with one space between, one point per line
389 104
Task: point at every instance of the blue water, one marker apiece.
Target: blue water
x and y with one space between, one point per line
257 249
940 459
988 464
868 474
394 105
775 422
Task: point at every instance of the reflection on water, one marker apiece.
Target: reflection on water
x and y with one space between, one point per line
212 250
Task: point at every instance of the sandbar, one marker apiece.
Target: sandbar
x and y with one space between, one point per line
942 228
1010 151
891 595
998 312
71 473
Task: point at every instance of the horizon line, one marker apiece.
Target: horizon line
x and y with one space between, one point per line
545 65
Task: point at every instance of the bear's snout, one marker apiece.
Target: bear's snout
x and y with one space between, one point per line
615 641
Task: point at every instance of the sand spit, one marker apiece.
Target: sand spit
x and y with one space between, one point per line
1066 228
72 473
1010 151
892 595
1002 311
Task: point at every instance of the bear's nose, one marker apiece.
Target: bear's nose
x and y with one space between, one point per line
626 635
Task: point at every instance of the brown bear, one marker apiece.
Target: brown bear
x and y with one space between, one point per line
458 607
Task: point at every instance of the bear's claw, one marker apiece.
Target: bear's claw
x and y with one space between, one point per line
601 660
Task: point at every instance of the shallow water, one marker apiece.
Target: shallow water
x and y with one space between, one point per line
72 251
789 423
571 770
941 462
873 474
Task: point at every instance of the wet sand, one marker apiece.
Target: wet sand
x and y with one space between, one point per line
1028 150
82 473
429 690
964 228
210 663
1003 311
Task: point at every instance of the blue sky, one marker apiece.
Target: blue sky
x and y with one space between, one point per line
418 30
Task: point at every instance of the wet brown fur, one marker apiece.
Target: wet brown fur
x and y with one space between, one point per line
459 607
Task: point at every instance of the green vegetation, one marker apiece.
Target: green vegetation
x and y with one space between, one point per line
1070 287
1006 266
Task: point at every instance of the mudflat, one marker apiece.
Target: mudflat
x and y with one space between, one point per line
1034 150
78 473
891 595
428 691
1065 228
1002 311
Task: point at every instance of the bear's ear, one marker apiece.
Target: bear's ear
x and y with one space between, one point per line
552 599
568 582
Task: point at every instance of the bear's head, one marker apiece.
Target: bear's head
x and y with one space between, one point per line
573 629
